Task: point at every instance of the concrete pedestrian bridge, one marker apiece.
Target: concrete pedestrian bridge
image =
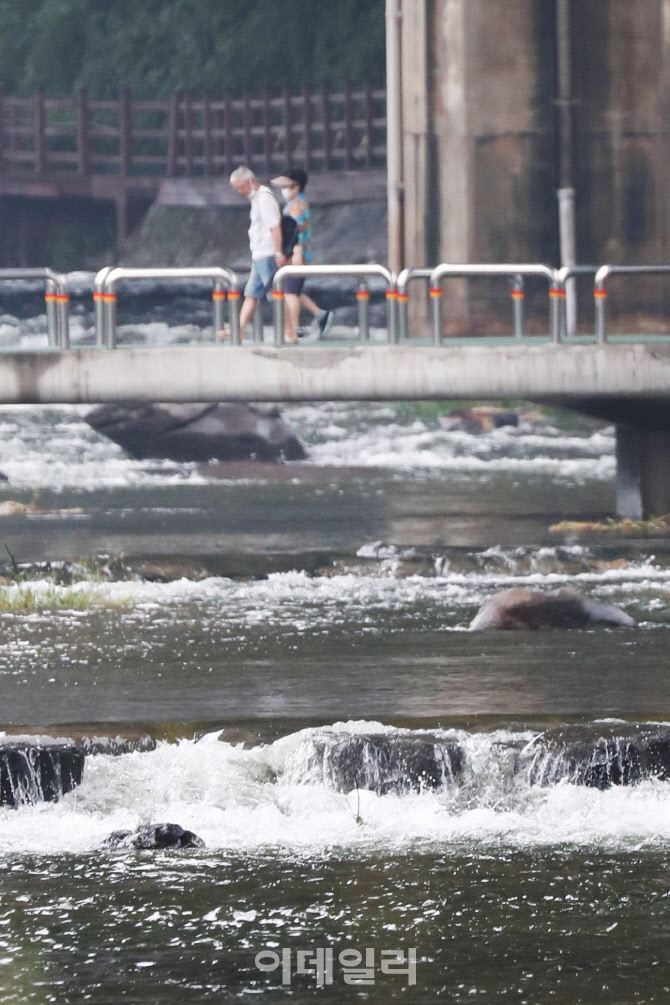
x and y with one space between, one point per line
622 379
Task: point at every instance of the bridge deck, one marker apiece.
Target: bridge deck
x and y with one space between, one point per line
573 374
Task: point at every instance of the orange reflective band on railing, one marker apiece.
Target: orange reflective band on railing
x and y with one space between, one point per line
96 295
218 295
277 294
363 294
555 292
517 294
62 298
49 297
391 295
109 298
403 298
234 294
435 291
600 294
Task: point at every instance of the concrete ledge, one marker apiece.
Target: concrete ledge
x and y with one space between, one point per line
571 375
322 189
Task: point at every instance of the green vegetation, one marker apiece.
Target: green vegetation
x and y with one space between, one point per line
655 527
24 598
155 47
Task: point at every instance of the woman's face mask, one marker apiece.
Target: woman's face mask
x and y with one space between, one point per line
286 193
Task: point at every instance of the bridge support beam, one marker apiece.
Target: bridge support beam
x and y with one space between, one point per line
643 472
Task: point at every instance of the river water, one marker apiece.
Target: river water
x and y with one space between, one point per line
284 607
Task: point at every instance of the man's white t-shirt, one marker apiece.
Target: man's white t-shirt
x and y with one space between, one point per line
264 215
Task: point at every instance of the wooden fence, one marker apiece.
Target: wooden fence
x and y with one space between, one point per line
188 137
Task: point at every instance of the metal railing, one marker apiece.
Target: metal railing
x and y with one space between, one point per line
600 289
226 288
517 294
362 272
57 301
448 271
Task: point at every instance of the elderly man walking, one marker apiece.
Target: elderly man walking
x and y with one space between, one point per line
265 240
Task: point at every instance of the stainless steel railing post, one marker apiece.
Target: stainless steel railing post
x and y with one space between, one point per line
360 271
257 324
363 303
234 316
449 271
279 317
518 295
105 292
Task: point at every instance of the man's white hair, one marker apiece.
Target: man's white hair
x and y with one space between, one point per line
242 174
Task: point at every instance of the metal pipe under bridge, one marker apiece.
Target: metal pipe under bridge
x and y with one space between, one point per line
625 380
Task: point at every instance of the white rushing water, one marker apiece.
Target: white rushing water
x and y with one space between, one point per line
53 447
245 799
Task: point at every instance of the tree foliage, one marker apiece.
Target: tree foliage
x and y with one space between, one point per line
154 47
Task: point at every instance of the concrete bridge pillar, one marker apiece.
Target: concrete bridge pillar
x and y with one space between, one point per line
643 472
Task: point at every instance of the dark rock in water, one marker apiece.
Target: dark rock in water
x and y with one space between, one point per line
151 836
198 432
38 771
597 764
598 757
117 745
384 762
521 608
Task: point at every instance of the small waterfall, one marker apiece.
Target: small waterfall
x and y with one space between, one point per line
38 772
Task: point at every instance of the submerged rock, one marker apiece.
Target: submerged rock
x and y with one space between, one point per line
478 420
521 608
198 432
151 836
384 762
38 770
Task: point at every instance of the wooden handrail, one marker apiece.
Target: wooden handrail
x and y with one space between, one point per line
189 137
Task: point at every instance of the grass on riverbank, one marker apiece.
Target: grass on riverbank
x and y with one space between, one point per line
657 527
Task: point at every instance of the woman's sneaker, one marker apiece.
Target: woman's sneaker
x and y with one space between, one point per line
325 322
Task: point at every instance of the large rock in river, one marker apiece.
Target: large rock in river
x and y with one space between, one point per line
150 836
522 608
38 769
382 762
198 431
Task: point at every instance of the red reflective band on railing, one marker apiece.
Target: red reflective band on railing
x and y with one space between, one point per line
277 294
517 294
391 295
49 296
97 296
363 294
108 297
218 295
600 294
554 292
435 292
403 298
62 298
234 295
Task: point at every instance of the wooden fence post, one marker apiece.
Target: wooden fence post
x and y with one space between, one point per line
327 138
307 126
288 138
248 144
188 135
207 135
173 116
83 159
39 137
125 133
369 128
267 131
228 128
348 128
